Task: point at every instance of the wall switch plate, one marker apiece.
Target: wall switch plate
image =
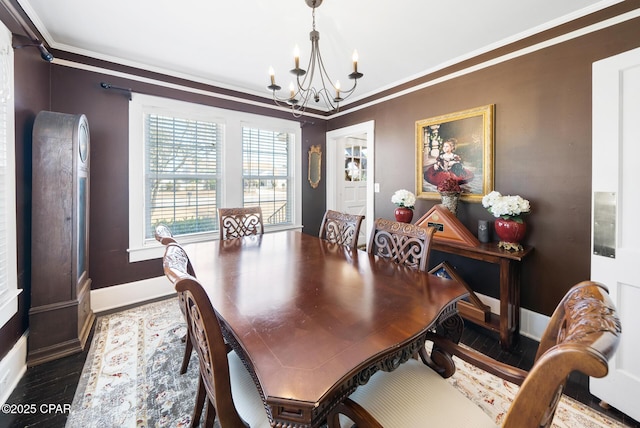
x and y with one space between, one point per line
376 187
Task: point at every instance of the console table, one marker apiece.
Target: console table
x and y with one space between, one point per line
507 323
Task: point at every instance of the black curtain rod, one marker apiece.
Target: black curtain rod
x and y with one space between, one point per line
105 85
35 42
130 91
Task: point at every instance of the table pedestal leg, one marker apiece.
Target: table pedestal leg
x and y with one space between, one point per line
440 360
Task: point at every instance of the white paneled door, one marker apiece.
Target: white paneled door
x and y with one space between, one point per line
615 227
352 183
350 160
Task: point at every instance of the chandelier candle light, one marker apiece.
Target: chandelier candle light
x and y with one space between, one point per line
302 92
508 225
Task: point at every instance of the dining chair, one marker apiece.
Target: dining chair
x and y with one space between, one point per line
583 334
174 255
341 228
225 385
403 243
239 222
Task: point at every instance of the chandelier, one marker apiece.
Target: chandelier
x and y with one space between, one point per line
301 92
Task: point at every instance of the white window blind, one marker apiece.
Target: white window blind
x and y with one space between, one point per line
187 159
266 173
183 174
8 274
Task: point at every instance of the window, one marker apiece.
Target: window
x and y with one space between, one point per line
181 186
186 160
8 275
266 173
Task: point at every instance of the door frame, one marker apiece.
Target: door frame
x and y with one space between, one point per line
610 174
332 138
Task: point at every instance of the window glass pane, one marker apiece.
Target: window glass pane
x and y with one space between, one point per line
267 173
182 174
363 163
355 162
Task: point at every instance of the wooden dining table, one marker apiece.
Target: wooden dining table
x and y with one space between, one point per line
313 320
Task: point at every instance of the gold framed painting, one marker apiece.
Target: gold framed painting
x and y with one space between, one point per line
459 146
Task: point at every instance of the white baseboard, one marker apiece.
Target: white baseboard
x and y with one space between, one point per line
532 324
12 367
117 296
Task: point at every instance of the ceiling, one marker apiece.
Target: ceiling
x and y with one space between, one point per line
232 43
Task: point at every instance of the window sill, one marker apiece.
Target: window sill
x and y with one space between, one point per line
8 305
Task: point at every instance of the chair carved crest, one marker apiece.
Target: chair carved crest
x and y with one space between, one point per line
163 234
586 313
341 228
403 243
239 222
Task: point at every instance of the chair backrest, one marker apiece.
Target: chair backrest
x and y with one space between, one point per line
341 228
207 337
176 260
583 334
403 243
176 265
163 234
239 222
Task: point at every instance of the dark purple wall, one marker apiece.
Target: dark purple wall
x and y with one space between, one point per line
542 152
31 96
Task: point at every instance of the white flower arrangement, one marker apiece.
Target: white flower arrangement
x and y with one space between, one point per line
507 207
404 198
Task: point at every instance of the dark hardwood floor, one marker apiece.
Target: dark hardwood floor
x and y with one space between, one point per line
54 383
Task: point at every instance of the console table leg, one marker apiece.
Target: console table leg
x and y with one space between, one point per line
509 303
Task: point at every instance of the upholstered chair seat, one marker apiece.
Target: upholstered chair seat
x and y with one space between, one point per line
583 334
426 399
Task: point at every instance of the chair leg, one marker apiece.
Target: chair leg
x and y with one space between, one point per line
201 396
188 348
210 415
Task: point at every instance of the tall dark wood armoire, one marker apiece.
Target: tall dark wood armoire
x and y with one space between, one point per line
60 317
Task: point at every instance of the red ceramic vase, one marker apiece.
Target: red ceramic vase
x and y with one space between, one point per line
404 215
510 230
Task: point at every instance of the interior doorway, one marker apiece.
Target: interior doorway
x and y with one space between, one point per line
350 179
615 231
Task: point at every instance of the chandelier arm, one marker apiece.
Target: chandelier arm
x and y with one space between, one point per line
326 95
308 77
329 100
345 92
296 109
340 95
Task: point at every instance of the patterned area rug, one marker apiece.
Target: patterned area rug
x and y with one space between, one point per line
131 377
494 396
